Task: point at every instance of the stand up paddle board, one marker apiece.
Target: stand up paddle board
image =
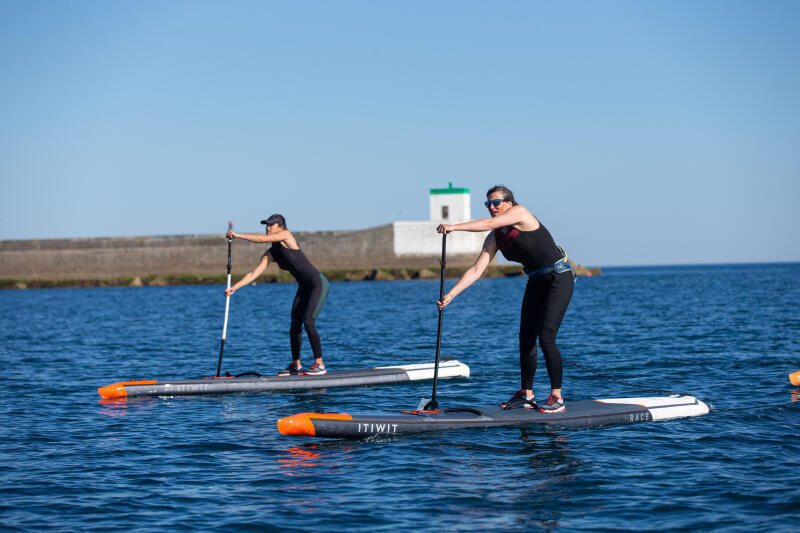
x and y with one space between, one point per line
578 414
345 378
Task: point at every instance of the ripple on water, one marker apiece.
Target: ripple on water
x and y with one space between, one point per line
725 334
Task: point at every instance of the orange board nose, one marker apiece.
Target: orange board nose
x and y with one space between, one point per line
302 424
794 377
117 390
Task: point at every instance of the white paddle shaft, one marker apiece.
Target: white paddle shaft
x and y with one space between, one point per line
227 306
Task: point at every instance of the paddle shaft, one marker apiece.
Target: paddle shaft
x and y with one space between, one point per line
227 306
433 405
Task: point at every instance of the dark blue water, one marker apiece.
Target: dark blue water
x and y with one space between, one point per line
726 334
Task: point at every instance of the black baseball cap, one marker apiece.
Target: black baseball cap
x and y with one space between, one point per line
273 219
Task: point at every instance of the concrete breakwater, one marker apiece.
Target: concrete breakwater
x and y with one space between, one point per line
196 259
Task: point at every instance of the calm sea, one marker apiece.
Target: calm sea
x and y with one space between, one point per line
727 334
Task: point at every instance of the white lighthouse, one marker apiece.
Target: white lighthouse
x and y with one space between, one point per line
449 205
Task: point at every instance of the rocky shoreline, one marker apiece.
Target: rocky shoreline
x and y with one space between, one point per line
351 274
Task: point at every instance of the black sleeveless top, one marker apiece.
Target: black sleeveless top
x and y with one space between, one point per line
534 249
296 262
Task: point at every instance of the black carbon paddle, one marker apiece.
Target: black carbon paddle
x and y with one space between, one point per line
433 404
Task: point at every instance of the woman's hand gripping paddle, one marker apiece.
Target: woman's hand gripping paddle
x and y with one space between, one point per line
432 405
227 304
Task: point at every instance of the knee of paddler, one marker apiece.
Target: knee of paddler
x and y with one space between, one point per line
547 341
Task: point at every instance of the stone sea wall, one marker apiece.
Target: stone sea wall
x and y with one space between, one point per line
342 255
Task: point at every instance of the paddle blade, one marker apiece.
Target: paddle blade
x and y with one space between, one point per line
432 405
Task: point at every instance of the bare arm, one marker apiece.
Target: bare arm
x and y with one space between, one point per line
278 236
516 216
474 272
250 276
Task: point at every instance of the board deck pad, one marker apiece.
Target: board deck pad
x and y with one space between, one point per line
340 378
578 414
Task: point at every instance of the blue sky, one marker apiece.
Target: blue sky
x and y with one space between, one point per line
638 132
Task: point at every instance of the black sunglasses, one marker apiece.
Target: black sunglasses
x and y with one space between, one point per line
496 202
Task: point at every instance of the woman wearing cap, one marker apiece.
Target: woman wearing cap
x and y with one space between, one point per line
311 292
523 239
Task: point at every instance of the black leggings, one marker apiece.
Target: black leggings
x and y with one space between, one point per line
306 307
543 306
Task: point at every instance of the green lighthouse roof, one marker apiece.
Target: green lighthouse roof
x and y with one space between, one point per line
451 190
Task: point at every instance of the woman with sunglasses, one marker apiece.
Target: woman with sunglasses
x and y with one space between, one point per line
311 292
523 239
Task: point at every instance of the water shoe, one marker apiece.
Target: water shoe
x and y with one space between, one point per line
291 370
317 369
519 400
554 404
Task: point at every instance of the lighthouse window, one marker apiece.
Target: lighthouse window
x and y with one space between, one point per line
445 212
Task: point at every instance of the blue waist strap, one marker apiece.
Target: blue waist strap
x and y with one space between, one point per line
562 265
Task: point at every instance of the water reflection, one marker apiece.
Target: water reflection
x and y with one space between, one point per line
552 466
301 457
316 458
526 479
124 406
795 395
309 396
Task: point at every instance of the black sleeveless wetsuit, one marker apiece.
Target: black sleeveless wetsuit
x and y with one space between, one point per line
312 291
545 302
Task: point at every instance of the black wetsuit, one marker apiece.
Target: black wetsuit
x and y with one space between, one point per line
311 294
545 302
